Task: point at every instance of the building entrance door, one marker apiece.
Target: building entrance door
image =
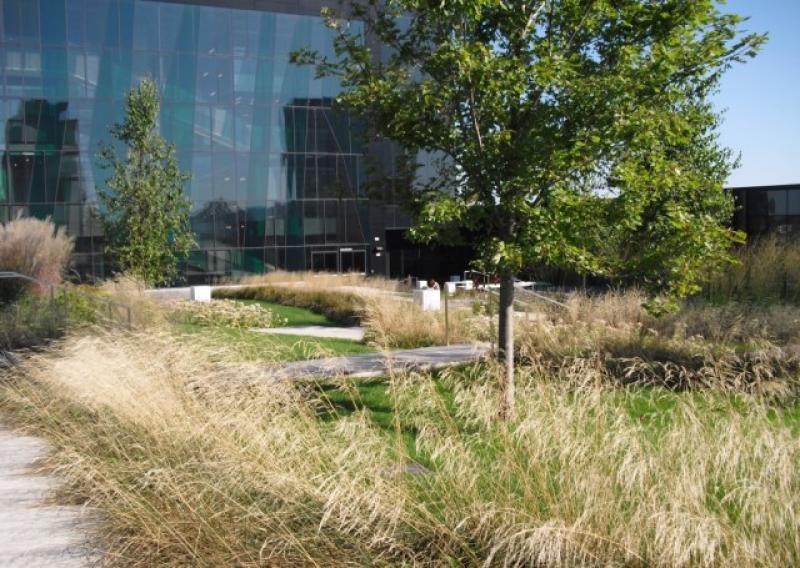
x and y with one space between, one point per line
325 261
353 260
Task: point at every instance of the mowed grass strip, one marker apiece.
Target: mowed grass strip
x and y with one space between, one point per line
248 345
295 316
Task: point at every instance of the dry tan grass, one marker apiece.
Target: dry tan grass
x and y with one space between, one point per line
766 270
191 469
324 281
397 324
35 248
738 347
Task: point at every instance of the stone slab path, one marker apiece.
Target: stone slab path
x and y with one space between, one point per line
378 364
351 333
34 532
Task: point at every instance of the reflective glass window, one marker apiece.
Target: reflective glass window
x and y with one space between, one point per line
102 29
278 181
54 73
222 125
226 223
213 35
255 223
76 22
294 223
777 202
243 130
224 176
12 21
144 65
52 21
244 33
313 223
202 181
29 21
76 73
264 30
177 27
793 202
70 185
145 25
202 127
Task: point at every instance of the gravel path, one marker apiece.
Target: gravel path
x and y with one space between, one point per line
377 364
33 532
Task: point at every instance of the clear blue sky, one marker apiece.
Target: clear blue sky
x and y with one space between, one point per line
761 98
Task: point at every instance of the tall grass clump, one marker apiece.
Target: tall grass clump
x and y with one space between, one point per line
702 345
196 463
767 270
394 324
36 248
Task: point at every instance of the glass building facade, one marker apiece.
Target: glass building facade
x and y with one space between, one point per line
768 210
278 176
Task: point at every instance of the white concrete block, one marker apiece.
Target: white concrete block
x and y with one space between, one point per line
428 300
422 284
201 293
450 288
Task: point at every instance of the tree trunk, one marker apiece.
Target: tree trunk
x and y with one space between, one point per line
505 344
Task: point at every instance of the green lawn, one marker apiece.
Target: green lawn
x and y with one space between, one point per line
294 316
654 408
253 346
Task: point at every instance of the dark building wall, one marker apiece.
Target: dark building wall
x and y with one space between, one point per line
278 175
768 209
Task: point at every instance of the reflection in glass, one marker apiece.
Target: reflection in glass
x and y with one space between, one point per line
272 165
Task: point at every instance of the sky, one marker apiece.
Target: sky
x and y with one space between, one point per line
761 99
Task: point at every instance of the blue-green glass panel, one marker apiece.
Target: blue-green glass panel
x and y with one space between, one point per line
29 20
145 25
12 21
126 23
177 25
102 29
224 176
76 22
265 30
52 22
54 73
294 223
213 36
202 180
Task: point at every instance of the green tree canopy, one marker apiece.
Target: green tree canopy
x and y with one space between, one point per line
144 210
572 132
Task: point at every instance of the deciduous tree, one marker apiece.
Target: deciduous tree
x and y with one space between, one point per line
572 132
144 210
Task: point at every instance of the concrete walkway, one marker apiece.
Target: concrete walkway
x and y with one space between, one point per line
351 333
32 531
377 364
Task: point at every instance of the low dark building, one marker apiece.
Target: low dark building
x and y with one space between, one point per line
762 210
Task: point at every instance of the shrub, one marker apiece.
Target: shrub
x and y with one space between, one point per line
342 307
35 248
228 313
